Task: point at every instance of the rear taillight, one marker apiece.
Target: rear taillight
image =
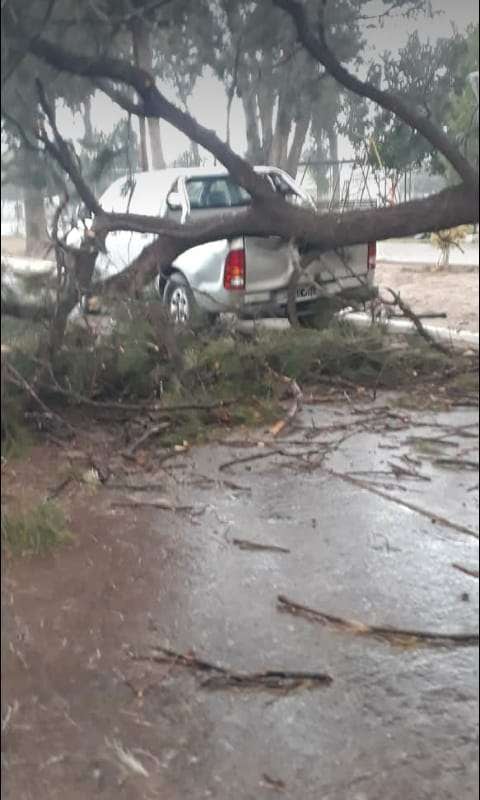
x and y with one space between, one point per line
235 271
372 255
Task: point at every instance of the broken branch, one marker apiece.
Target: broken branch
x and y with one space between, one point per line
394 636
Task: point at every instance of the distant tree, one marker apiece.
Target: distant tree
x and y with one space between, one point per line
432 76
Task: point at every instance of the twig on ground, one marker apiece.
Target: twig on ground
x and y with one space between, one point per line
457 463
410 314
273 783
162 504
400 472
295 408
56 491
246 460
222 678
156 430
395 636
243 544
435 518
473 573
18 380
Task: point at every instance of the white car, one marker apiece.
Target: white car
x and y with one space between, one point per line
249 276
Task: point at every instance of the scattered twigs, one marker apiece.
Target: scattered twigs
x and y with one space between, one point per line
243 544
247 459
220 678
403 472
162 504
457 463
151 433
408 312
473 573
435 518
273 783
56 491
394 636
18 380
269 681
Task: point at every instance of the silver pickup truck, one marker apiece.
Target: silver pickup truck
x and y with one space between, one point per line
249 276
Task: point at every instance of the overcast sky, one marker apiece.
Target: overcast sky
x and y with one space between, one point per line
208 103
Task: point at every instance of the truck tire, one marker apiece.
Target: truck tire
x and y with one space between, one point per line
182 307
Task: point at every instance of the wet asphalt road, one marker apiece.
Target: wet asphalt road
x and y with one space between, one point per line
397 722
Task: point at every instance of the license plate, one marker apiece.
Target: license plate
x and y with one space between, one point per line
306 293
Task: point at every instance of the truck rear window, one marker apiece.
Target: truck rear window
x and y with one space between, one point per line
222 192
216 193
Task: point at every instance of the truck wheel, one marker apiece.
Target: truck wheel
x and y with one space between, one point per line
181 304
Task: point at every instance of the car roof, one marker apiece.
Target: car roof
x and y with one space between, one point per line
153 187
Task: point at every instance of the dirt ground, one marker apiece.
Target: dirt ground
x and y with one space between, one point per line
454 292
360 511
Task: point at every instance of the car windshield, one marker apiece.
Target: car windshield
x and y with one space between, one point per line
216 193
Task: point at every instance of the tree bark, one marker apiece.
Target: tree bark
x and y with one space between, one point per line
336 172
35 216
156 148
283 127
296 149
35 221
254 144
266 105
87 119
143 57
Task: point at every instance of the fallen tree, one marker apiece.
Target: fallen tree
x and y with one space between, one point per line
269 214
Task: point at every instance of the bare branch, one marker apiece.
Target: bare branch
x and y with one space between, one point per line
21 57
155 105
61 152
319 49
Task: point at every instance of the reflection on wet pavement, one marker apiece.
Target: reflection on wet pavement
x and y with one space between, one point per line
326 518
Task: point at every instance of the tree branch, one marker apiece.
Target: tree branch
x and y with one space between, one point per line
321 233
61 152
414 118
155 105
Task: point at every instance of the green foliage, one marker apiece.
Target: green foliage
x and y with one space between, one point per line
35 532
433 76
463 117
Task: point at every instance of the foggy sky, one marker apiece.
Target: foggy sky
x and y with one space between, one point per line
208 103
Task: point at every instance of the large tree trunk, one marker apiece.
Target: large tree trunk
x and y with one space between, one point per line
35 216
87 119
143 57
283 127
266 105
336 172
158 159
296 149
35 221
254 144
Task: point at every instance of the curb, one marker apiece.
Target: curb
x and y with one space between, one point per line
457 339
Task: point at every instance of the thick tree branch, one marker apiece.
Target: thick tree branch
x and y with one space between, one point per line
155 105
320 233
318 48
